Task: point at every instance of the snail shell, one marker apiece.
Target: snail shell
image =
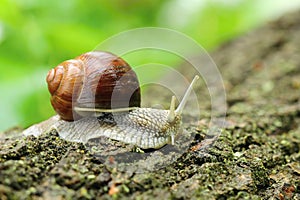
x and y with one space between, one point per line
89 81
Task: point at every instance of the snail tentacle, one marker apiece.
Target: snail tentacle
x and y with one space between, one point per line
186 95
171 114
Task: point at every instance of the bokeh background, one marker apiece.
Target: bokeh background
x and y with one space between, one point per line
37 35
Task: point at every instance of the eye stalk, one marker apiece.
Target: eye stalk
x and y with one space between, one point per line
178 111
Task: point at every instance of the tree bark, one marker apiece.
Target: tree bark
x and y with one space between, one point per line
256 156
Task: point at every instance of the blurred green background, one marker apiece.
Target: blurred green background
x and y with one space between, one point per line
37 35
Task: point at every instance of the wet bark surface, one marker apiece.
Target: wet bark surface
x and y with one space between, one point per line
257 154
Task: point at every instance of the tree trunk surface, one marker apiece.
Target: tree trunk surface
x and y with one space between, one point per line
256 156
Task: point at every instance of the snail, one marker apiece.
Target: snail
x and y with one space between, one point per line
102 84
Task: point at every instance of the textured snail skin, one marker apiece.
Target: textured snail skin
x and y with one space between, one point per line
89 81
144 127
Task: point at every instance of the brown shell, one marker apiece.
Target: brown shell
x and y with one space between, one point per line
92 80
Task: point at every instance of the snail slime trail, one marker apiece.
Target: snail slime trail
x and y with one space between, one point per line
127 122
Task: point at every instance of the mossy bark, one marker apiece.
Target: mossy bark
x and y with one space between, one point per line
256 156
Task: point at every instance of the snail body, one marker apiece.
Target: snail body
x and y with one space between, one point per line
135 127
90 93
